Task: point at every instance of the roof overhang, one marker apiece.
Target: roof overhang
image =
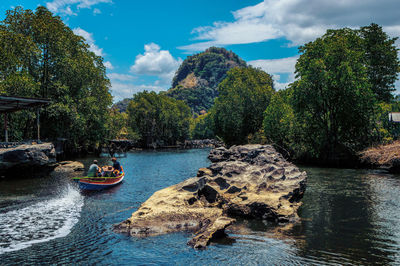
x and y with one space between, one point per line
10 104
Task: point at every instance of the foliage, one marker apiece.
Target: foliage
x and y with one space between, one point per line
332 97
197 78
386 131
201 127
117 126
279 122
42 57
381 61
197 98
243 97
158 119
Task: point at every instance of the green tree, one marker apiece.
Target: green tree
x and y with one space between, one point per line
332 96
279 121
157 119
201 127
381 61
42 57
243 97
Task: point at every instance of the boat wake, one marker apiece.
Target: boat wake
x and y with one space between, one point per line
40 222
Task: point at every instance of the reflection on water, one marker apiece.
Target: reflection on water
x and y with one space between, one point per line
348 217
342 216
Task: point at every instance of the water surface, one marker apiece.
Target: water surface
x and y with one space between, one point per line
348 217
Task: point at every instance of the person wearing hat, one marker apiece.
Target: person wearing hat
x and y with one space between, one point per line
116 166
94 169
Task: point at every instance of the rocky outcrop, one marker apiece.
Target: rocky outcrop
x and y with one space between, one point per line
27 157
201 143
68 169
251 181
69 166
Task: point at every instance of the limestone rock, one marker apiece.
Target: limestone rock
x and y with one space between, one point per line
252 181
70 166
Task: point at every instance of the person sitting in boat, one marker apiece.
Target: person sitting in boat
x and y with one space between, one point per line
94 169
117 169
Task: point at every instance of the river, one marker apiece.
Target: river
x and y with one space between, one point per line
348 217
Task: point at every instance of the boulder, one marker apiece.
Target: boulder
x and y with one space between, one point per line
68 169
251 181
69 166
27 157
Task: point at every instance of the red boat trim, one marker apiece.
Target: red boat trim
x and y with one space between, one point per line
100 181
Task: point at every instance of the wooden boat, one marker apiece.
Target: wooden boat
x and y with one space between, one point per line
99 183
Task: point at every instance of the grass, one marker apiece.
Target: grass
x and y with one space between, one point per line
383 155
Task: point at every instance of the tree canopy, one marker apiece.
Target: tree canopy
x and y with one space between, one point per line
243 97
41 57
158 120
381 61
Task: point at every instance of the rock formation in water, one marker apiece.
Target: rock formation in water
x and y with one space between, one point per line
26 158
251 181
69 167
201 143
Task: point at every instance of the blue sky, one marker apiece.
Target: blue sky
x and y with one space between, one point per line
143 42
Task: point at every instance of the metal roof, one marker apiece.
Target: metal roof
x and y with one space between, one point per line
394 117
10 104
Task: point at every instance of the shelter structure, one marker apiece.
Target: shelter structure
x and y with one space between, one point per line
394 117
10 104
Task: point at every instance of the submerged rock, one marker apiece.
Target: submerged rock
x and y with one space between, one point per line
252 181
69 166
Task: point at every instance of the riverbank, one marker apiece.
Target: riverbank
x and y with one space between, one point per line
385 157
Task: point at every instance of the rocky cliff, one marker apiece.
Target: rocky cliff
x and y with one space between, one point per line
251 181
197 78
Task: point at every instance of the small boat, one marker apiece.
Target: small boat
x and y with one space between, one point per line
99 183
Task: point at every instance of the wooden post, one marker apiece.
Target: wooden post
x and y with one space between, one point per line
38 124
5 127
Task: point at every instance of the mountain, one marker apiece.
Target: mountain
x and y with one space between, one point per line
197 78
122 105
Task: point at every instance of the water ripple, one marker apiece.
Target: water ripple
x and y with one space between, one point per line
40 222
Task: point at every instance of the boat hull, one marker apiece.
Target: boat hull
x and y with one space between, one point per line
99 183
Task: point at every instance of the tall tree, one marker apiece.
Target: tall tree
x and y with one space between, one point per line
381 60
243 97
44 58
333 96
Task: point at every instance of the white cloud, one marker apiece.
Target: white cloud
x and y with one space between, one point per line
298 21
108 65
64 7
120 77
282 65
156 62
96 11
277 67
121 90
89 39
